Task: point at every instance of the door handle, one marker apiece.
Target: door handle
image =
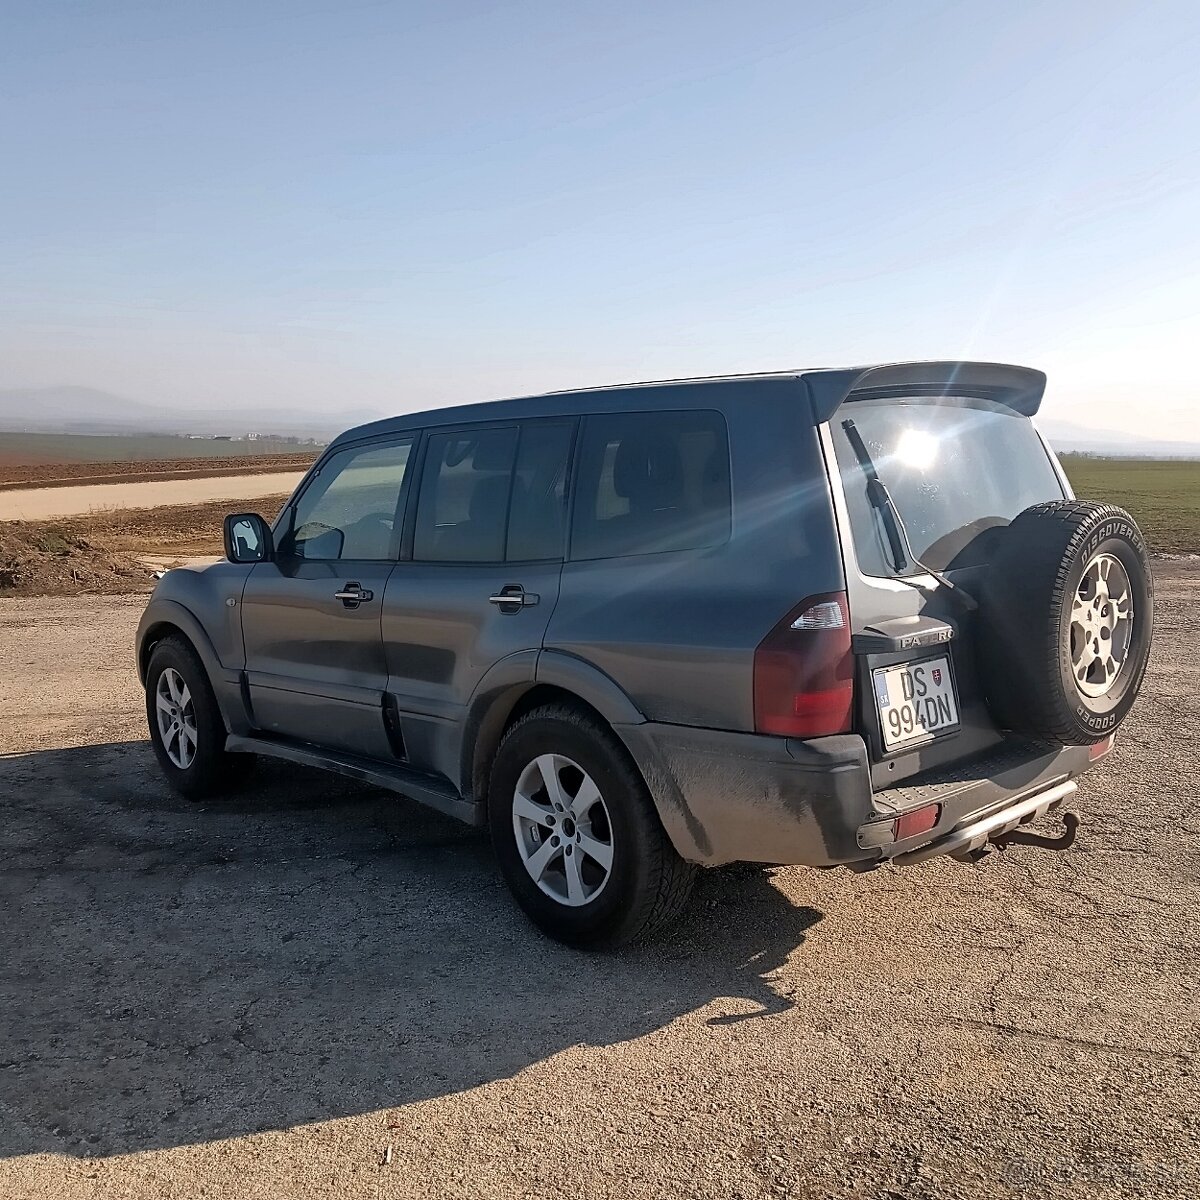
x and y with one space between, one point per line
352 595
514 597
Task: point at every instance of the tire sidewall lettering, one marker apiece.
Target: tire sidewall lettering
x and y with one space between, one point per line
1026 627
1116 528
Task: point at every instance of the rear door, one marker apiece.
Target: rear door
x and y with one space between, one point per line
959 469
311 618
482 576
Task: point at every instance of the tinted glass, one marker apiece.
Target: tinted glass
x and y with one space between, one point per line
651 482
958 469
462 510
349 511
537 513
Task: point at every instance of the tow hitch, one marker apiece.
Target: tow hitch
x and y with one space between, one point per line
970 842
1025 837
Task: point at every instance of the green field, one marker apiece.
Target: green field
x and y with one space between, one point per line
92 448
1162 494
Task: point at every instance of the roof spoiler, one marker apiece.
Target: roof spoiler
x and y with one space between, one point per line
1020 388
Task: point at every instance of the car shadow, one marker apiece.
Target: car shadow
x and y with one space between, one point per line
303 950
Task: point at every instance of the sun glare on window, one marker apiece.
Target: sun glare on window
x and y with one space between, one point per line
917 449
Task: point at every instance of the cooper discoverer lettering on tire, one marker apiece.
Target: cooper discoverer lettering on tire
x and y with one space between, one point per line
1066 621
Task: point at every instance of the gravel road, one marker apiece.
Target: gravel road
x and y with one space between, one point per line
52 503
316 989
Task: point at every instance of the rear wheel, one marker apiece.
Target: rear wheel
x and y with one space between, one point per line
576 834
186 728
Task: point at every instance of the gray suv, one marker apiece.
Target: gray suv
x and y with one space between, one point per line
834 618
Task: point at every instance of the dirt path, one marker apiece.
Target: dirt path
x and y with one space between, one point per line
260 997
43 504
26 475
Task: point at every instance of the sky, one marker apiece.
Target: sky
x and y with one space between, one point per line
390 206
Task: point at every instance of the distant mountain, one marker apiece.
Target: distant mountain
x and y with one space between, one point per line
40 410
90 410
1066 436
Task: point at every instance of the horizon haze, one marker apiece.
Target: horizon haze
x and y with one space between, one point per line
80 410
374 207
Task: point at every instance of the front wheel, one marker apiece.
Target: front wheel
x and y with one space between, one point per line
576 834
186 729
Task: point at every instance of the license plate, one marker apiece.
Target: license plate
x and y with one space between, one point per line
915 701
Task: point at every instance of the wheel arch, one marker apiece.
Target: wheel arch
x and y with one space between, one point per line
168 618
559 678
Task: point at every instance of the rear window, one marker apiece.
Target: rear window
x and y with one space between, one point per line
651 482
959 469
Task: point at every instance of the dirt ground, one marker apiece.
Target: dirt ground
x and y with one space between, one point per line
115 550
22 474
48 504
316 989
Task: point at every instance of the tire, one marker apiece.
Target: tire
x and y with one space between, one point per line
1044 614
210 770
646 884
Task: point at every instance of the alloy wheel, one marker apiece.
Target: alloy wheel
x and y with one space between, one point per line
1101 625
563 830
176 716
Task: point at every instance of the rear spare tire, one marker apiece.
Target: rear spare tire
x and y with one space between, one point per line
1066 616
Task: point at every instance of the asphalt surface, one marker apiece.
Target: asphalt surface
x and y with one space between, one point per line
314 989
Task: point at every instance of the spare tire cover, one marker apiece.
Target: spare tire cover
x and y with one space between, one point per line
1066 614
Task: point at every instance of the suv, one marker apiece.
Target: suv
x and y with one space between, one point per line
832 618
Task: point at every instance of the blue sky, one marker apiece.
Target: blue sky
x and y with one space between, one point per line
389 206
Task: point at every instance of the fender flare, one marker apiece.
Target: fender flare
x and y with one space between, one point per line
226 682
171 612
630 724
495 696
501 689
589 683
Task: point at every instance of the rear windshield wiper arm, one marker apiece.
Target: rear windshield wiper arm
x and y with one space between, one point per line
893 522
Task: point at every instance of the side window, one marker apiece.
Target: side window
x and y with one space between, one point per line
462 508
350 509
650 482
539 497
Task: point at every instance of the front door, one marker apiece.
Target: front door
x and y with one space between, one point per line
483 577
311 618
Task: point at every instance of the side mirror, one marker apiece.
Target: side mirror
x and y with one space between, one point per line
248 539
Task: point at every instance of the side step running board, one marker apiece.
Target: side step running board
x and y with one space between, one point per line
430 790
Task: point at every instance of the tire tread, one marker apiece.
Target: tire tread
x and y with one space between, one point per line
1040 552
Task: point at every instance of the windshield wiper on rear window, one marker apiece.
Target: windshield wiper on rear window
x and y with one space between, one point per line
893 522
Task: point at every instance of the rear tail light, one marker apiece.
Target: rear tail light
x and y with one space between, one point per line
1100 749
804 671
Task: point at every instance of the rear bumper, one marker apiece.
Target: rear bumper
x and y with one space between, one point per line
730 797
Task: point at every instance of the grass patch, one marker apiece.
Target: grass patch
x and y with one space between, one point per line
1163 495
